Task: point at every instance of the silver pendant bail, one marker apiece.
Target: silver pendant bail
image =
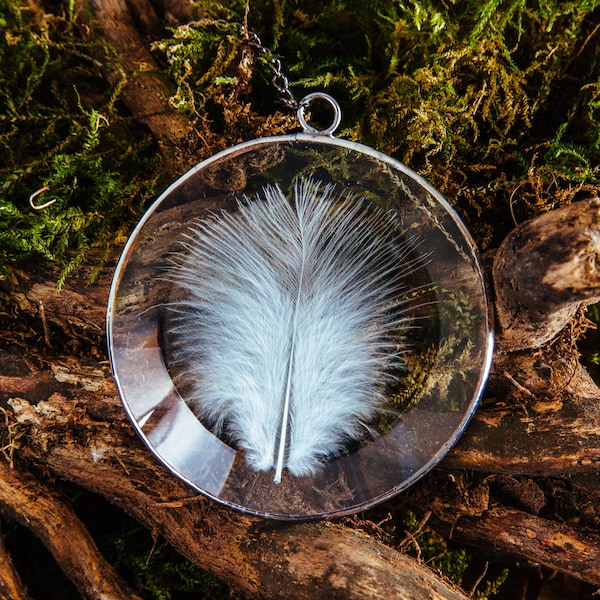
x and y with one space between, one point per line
305 104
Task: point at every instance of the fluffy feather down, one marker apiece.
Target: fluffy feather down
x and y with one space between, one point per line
286 331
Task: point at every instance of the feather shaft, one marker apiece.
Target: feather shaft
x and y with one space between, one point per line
288 388
285 415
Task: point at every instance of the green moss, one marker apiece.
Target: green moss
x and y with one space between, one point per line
431 547
468 94
151 565
51 137
199 57
159 572
491 588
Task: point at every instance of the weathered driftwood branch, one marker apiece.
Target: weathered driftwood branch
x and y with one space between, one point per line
554 544
262 558
116 465
533 426
541 417
245 551
544 272
37 507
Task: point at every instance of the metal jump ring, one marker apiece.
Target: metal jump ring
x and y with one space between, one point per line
305 103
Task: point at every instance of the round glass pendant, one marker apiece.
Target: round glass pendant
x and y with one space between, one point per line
423 402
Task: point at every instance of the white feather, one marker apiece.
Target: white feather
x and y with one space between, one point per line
288 329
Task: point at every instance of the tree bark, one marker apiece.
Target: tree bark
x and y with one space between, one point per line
554 544
11 586
541 418
544 272
37 507
91 444
144 90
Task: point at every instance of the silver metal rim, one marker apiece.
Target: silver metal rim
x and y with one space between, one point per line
321 138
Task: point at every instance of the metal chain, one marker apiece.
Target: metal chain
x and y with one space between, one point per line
279 81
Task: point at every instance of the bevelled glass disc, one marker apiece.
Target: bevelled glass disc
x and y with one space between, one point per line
448 340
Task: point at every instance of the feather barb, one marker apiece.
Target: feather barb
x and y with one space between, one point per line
287 331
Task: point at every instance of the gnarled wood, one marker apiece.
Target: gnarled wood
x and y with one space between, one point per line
554 544
35 506
95 447
535 427
544 271
262 558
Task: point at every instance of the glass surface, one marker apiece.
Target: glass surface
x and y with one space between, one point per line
449 341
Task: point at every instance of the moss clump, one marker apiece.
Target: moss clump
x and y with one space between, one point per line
159 572
468 94
56 131
432 548
471 95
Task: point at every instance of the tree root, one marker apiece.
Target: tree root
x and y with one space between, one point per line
38 508
556 545
544 271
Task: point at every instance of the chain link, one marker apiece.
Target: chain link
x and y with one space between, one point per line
279 81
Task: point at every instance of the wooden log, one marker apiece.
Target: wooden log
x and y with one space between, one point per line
81 434
542 418
544 271
261 558
556 545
